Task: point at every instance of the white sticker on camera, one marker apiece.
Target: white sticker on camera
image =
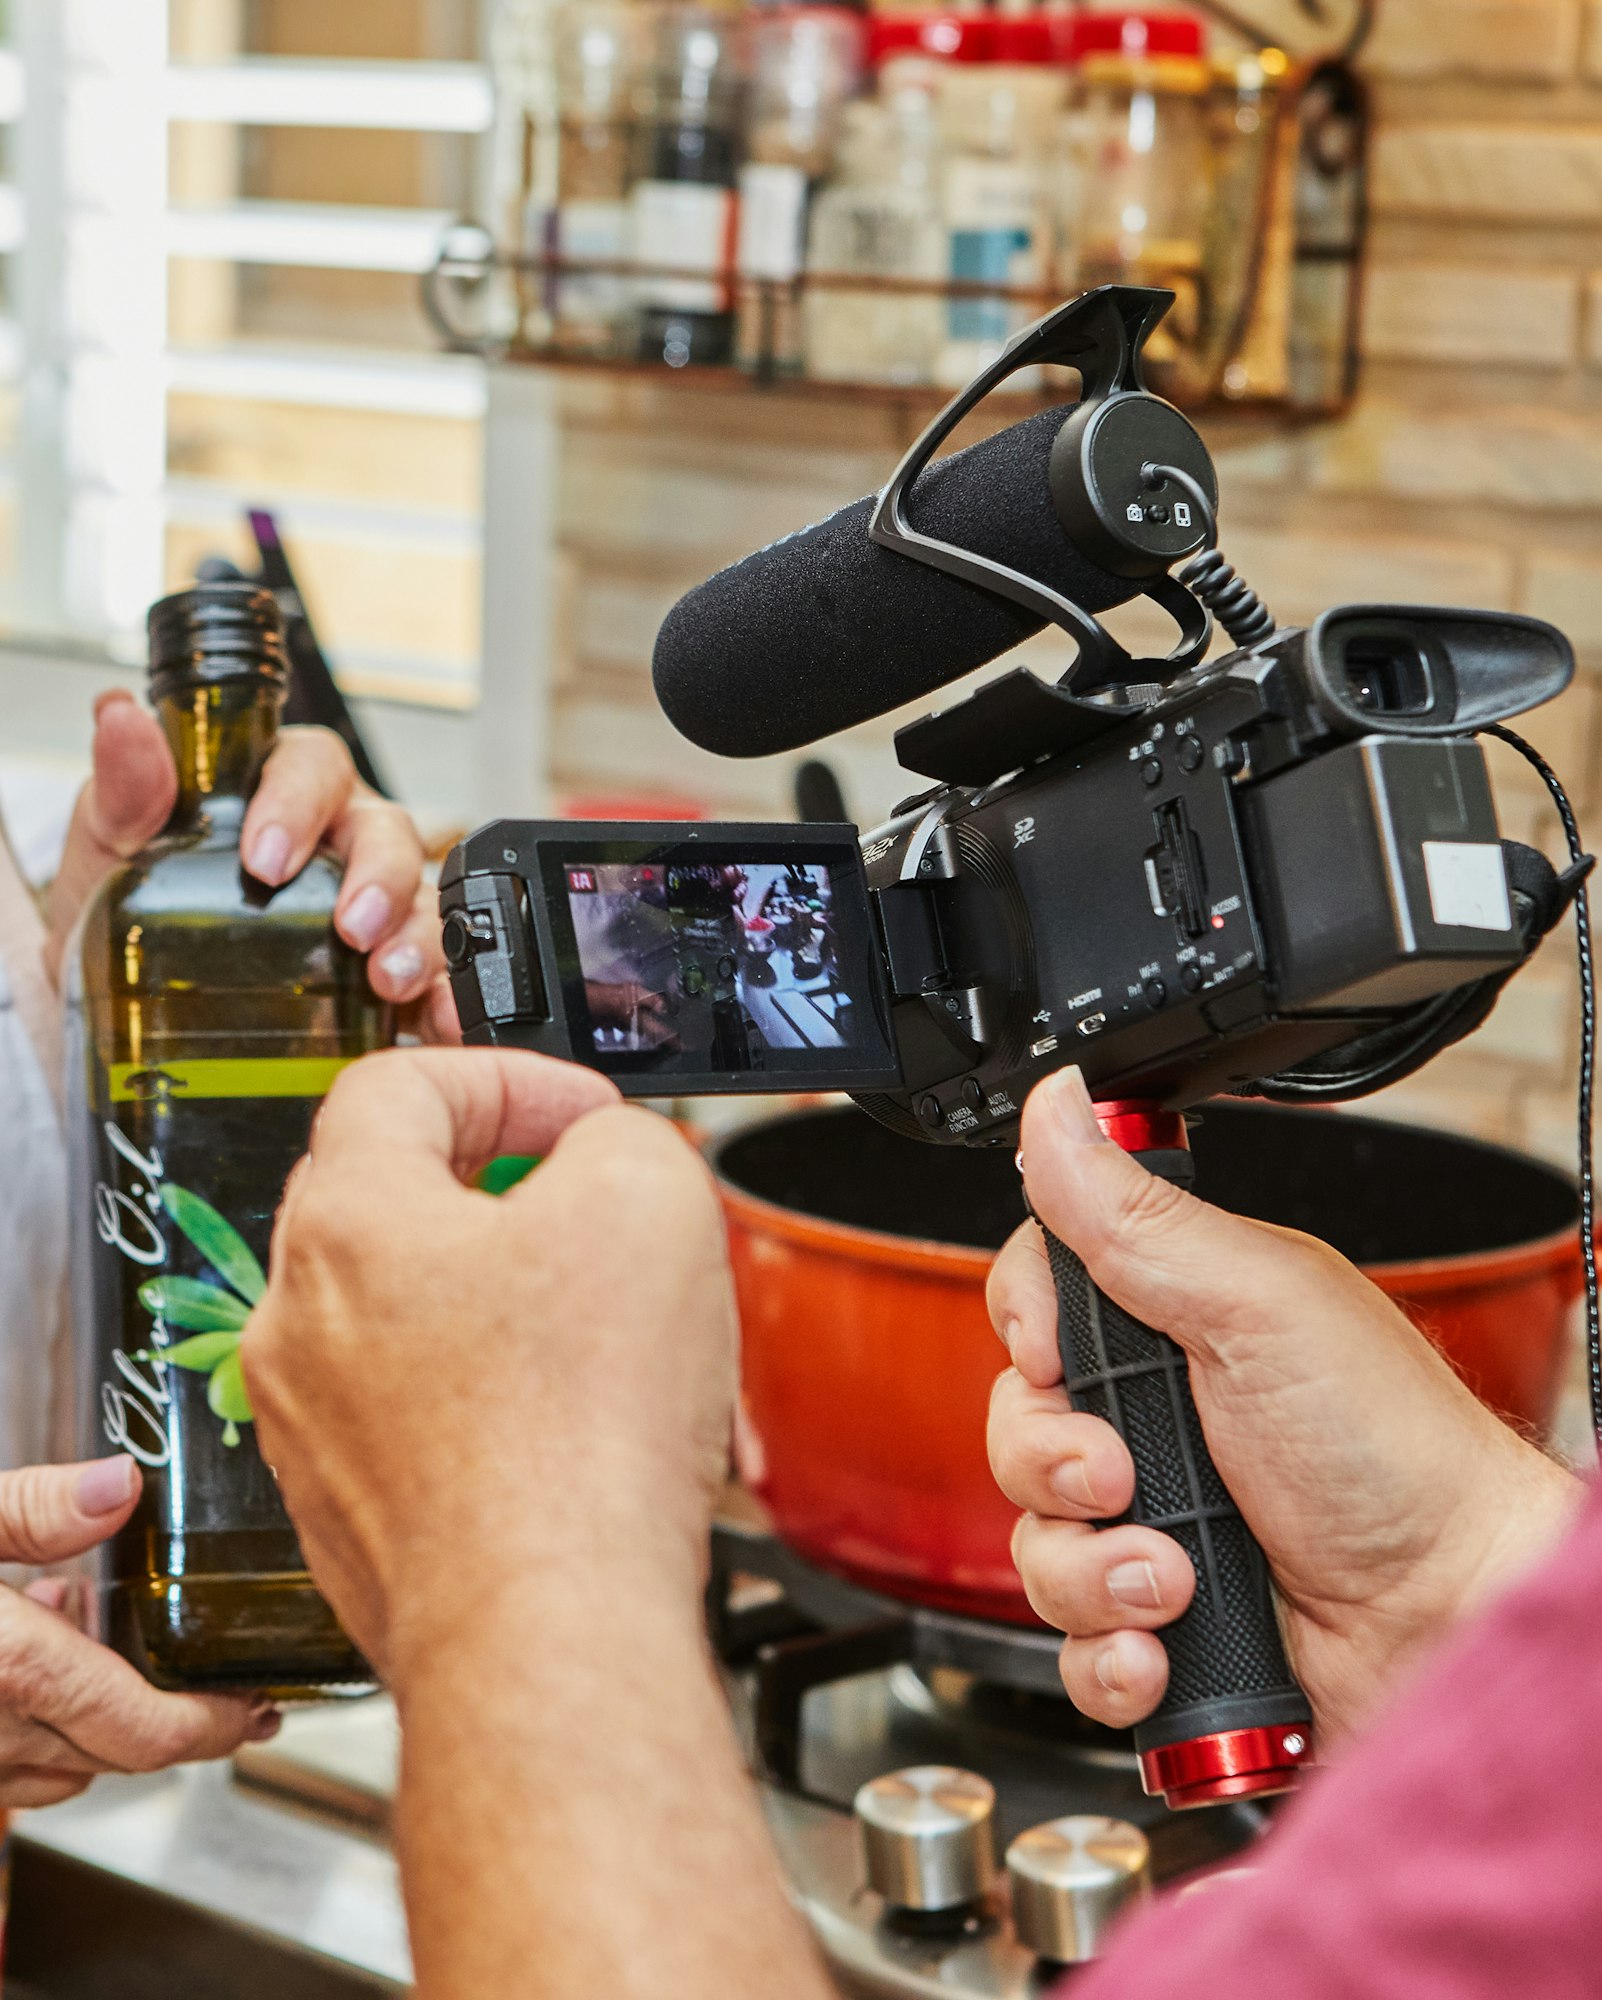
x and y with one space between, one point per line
1468 884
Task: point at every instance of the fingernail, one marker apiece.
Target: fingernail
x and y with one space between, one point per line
269 855
106 1485
264 1725
1108 1672
1071 1482
365 922
50 1591
1008 1330
1068 1100
1134 1583
402 965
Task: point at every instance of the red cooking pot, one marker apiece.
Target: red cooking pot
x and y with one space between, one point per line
860 1259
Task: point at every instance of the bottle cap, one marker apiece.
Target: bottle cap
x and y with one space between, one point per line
1027 38
216 632
805 63
834 21
1137 35
956 37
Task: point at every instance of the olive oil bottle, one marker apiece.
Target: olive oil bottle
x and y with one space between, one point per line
208 1016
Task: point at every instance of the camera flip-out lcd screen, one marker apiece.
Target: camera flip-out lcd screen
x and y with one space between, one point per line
694 960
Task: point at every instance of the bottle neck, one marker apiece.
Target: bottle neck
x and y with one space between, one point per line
220 734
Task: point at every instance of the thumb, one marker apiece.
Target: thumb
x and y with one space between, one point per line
50 1512
135 781
1191 1271
125 804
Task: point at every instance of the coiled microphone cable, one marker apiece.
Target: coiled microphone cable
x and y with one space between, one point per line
1207 575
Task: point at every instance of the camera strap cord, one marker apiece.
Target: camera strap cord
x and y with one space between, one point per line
1582 928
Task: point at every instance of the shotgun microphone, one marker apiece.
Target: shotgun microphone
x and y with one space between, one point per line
826 628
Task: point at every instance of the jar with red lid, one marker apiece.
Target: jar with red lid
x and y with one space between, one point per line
916 50
1134 191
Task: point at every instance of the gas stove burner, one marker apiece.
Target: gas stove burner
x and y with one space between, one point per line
1017 1656
839 1684
981 1706
813 1630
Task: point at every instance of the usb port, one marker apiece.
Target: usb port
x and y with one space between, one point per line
1043 1047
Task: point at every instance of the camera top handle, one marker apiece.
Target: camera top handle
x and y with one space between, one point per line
1116 436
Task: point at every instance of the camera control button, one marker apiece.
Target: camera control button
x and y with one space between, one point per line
930 1112
1190 978
1151 772
1192 753
464 936
1156 993
972 1093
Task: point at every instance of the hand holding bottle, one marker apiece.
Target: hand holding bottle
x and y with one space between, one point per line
70 1709
463 1394
309 796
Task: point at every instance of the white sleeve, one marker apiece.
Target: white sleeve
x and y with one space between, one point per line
34 1379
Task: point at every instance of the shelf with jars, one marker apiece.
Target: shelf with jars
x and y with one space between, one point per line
808 201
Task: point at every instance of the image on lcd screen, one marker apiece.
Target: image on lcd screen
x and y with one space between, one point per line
720 965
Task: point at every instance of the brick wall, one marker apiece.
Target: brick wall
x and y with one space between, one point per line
1470 472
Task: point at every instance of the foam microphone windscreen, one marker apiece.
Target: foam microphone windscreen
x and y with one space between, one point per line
825 628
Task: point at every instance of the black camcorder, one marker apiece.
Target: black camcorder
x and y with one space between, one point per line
1290 852
1276 872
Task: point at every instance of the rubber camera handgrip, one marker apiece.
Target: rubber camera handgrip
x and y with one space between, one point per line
1233 1723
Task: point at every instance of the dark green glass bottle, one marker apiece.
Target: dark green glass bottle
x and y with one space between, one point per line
208 1016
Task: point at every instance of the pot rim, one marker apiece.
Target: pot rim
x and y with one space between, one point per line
927 1254
956 1262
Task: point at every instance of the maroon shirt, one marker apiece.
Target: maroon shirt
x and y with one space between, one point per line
1453 1853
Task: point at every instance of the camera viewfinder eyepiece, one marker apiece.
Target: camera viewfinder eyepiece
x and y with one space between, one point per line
1410 671
1390 673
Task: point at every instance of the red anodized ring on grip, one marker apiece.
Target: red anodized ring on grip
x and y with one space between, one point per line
1234 1764
1139 1126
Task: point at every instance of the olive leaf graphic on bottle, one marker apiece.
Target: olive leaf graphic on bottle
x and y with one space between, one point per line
215 1318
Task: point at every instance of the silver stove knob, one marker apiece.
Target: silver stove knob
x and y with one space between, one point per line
929 1836
1070 1878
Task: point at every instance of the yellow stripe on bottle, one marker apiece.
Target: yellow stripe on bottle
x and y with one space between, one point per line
226 1076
